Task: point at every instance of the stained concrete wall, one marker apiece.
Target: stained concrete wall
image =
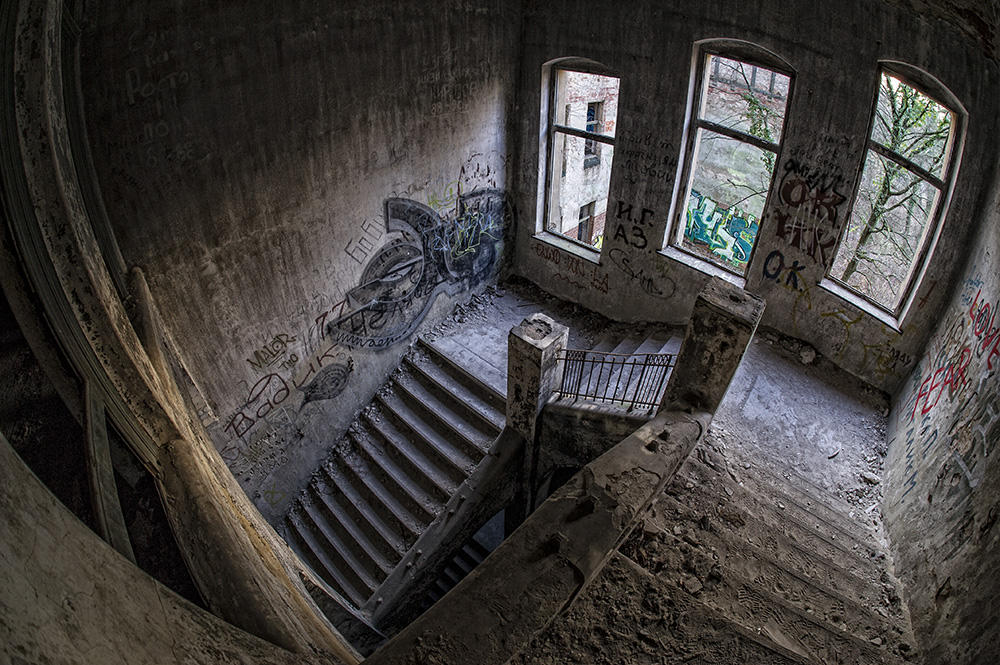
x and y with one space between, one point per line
246 153
69 597
834 49
943 488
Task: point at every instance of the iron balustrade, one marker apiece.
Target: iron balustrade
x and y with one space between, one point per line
631 381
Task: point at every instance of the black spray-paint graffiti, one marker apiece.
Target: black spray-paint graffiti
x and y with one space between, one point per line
658 287
807 213
789 276
426 255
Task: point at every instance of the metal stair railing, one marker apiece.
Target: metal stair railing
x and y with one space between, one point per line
633 381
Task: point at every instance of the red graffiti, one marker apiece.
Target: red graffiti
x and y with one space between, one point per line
984 328
952 376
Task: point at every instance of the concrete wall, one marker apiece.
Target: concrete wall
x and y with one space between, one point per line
245 153
68 597
943 488
835 51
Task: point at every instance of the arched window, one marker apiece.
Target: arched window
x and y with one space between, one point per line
579 120
737 119
901 196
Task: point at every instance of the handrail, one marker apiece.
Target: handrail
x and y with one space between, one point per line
628 380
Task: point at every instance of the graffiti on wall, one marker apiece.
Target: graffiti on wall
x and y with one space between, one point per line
807 213
948 416
573 270
427 255
728 233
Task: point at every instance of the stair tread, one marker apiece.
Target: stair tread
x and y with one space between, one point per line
819 503
351 566
421 497
489 372
351 589
389 534
359 463
439 451
467 436
751 593
769 508
649 620
783 553
293 536
441 481
350 536
491 417
476 378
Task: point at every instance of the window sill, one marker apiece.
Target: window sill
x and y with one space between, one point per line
575 247
701 265
865 306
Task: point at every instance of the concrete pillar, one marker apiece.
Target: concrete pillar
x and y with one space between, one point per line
533 372
720 329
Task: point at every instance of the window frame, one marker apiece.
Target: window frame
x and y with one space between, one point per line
750 54
929 86
549 129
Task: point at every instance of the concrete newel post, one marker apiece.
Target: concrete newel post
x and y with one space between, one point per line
533 372
720 329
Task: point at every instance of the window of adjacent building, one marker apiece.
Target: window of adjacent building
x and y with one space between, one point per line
585 230
899 199
581 149
735 136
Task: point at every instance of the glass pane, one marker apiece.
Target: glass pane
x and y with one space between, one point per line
745 97
886 230
912 124
729 185
587 101
578 193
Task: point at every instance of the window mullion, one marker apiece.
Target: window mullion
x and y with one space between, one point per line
875 146
583 134
738 135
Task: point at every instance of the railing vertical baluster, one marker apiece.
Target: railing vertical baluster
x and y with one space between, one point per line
643 392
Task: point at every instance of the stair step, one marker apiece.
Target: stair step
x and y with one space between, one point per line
801 526
358 566
423 470
731 541
647 620
627 346
438 451
426 499
381 527
756 586
815 502
471 437
490 372
820 501
475 406
397 492
337 573
319 564
465 376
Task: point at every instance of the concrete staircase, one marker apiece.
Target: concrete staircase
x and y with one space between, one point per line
770 559
392 474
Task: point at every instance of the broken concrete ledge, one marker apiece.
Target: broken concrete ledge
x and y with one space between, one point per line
539 570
